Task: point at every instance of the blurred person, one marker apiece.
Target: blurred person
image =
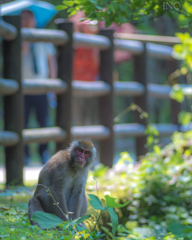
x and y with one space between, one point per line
120 55
38 62
86 65
85 68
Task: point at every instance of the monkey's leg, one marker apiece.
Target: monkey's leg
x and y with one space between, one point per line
77 204
83 209
84 205
34 206
61 210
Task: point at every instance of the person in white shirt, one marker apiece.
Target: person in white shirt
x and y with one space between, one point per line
38 62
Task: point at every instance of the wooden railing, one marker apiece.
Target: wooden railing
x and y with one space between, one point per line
12 87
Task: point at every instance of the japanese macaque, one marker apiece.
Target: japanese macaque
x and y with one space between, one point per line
66 175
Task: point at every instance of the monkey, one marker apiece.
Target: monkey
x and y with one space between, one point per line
66 176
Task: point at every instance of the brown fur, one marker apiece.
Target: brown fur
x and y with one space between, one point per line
67 184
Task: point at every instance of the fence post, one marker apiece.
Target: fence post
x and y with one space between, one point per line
140 75
13 104
106 113
173 65
65 66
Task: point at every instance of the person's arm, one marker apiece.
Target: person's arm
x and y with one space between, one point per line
52 63
52 66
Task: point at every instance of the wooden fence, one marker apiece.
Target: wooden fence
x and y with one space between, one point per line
12 87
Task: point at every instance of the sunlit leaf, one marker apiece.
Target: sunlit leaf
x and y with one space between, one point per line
114 219
46 220
177 93
111 202
61 7
184 117
96 203
157 149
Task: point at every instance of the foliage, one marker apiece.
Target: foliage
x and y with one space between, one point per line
159 190
135 11
121 11
132 107
47 220
151 133
177 94
183 52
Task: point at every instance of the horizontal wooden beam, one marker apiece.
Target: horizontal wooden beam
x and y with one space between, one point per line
163 91
7 31
187 89
128 88
8 86
134 47
98 132
137 130
159 51
129 130
43 135
158 90
185 128
166 129
148 38
56 37
90 89
43 86
90 40
8 138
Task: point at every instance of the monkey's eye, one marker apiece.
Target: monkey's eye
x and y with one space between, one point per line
86 152
80 149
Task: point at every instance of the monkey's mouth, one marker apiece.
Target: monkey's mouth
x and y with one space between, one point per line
80 163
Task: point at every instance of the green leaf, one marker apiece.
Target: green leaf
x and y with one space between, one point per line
114 219
179 229
81 219
69 3
184 117
107 23
72 11
96 203
112 8
93 2
46 220
157 149
151 130
189 230
177 93
111 202
61 7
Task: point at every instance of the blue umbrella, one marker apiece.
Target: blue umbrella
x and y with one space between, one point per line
43 11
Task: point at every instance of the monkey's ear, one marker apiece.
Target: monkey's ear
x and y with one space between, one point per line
73 145
93 150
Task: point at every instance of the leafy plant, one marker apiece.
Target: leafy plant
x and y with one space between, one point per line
47 220
122 11
159 188
132 107
110 204
151 133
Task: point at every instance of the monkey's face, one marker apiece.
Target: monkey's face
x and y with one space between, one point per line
82 156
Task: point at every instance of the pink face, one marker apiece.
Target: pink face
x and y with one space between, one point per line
82 155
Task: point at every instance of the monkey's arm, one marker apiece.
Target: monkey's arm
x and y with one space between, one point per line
78 203
34 205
